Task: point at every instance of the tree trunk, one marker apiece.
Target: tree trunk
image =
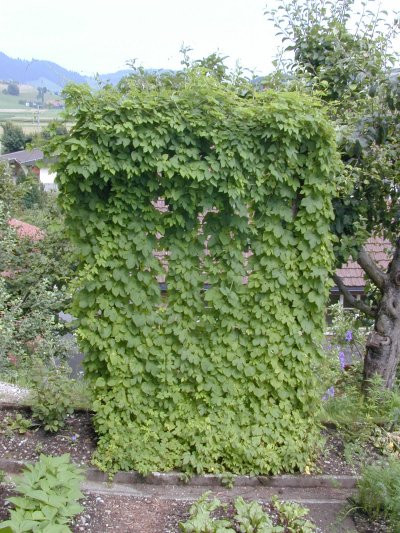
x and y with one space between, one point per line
383 345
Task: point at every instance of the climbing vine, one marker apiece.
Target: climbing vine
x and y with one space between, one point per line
216 375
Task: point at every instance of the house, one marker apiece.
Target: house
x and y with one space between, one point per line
31 160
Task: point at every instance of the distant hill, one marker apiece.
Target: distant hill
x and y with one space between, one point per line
41 73
37 72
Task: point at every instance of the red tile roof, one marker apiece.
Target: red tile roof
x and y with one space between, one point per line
353 275
24 229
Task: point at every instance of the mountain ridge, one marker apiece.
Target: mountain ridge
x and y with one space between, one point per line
40 72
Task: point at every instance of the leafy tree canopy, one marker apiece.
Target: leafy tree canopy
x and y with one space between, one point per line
346 58
13 138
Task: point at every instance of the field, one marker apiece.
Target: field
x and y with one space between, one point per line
31 120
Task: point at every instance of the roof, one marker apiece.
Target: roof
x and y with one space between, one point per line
353 275
24 230
23 157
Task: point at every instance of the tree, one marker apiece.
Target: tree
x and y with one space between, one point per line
351 70
13 88
13 138
41 92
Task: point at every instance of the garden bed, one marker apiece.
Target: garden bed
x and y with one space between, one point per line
79 440
155 514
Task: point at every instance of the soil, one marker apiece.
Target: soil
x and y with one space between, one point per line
130 513
119 513
333 461
127 514
77 438
364 524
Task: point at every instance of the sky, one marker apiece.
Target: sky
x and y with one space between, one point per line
100 36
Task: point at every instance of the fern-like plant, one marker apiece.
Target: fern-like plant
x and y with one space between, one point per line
379 492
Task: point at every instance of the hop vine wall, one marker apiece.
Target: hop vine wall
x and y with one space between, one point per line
200 380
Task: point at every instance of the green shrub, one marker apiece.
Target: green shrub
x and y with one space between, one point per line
52 397
48 496
29 303
216 380
378 492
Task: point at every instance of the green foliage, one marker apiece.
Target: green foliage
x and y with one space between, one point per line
29 331
21 192
32 290
49 492
52 397
200 520
364 422
19 424
13 138
346 57
378 492
30 261
216 380
292 517
344 348
10 194
249 517
34 195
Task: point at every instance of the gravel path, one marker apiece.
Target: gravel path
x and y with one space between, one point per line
11 393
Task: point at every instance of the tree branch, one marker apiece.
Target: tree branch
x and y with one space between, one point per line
394 266
372 270
358 304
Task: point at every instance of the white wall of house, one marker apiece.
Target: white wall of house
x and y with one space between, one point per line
47 178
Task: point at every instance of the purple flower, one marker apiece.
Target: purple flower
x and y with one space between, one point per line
342 360
74 437
329 393
349 335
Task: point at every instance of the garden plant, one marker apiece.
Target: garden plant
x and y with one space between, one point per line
48 496
217 376
247 517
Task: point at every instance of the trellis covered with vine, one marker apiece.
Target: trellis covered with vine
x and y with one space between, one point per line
202 381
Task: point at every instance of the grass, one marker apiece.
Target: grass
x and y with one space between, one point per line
378 492
19 114
28 119
26 92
